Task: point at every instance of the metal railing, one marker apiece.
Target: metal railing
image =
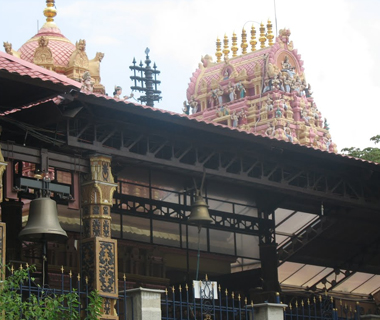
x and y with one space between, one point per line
322 307
30 289
204 302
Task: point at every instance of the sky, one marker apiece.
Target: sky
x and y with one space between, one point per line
337 40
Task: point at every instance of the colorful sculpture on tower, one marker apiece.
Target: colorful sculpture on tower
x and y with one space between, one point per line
262 91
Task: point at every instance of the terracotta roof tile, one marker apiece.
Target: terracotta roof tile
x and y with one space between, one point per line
13 64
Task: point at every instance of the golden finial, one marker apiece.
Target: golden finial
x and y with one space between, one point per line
27 265
187 287
320 298
180 288
325 293
244 44
12 269
226 292
314 300
302 303
226 51
70 274
220 288
62 269
253 41
20 267
218 50
262 38
206 277
50 12
251 303
270 35
239 297
308 301
233 295
173 289
86 279
245 300
234 47
290 306
331 299
78 276
166 291
124 277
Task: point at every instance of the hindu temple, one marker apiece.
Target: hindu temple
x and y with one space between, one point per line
280 218
261 90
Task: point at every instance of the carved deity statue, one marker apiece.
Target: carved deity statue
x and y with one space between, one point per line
87 84
79 57
287 67
117 94
241 89
234 118
9 50
284 35
94 66
43 54
193 105
231 91
219 92
206 60
186 108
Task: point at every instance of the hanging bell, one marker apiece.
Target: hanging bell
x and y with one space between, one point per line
199 214
43 224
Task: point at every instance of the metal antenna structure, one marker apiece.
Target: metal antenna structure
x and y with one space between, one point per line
145 79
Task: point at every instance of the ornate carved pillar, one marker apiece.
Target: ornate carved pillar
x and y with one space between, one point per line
99 251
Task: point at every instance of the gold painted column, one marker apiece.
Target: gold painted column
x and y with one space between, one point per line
99 251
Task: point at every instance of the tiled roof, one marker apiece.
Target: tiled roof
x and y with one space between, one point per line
13 64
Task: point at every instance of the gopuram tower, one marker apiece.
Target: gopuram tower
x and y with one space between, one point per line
262 90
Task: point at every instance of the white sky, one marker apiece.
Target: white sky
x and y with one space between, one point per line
337 40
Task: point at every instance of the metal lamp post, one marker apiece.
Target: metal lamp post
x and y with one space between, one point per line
145 79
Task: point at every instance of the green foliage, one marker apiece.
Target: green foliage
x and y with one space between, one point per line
369 153
94 305
50 307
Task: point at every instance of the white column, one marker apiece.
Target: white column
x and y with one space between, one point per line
146 304
268 311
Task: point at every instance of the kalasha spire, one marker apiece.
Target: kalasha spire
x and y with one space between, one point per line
50 11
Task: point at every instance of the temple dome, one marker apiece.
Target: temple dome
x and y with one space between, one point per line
50 49
60 46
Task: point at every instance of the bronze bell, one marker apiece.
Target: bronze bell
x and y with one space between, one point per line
199 214
43 224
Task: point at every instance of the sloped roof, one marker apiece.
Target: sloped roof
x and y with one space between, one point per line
21 67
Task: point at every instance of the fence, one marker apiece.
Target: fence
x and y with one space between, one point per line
321 307
73 295
204 301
